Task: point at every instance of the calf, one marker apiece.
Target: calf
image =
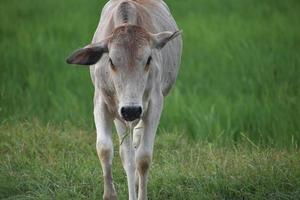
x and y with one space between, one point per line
134 59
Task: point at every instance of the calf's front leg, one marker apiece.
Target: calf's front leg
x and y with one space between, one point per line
145 149
127 156
104 146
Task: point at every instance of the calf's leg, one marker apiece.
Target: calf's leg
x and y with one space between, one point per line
127 156
145 149
104 146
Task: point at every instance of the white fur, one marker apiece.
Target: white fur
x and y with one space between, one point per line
137 154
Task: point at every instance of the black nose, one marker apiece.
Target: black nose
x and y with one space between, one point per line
131 113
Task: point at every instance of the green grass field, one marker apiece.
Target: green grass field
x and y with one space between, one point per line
60 162
230 128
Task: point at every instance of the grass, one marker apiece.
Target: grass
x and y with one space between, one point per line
60 162
239 74
230 128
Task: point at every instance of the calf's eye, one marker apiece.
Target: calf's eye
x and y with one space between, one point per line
148 62
113 67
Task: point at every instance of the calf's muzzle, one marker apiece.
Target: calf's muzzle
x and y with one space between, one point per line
131 113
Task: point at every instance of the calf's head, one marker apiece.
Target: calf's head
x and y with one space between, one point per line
130 59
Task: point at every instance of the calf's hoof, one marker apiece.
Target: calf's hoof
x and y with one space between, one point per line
109 197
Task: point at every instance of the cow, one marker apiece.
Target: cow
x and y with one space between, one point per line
134 60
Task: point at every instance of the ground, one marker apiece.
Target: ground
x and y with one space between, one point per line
60 162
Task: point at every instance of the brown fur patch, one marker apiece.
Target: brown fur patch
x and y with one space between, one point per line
110 100
132 38
104 155
143 164
128 32
110 196
109 191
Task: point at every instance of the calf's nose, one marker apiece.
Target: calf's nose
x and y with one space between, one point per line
131 113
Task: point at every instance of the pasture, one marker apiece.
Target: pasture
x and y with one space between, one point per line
229 130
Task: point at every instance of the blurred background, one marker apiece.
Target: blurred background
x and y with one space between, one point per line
239 76
230 128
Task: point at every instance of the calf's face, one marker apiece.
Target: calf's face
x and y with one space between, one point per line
129 50
130 61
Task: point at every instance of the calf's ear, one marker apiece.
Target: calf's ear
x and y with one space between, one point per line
159 40
88 55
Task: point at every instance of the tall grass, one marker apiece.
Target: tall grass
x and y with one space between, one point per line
239 75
